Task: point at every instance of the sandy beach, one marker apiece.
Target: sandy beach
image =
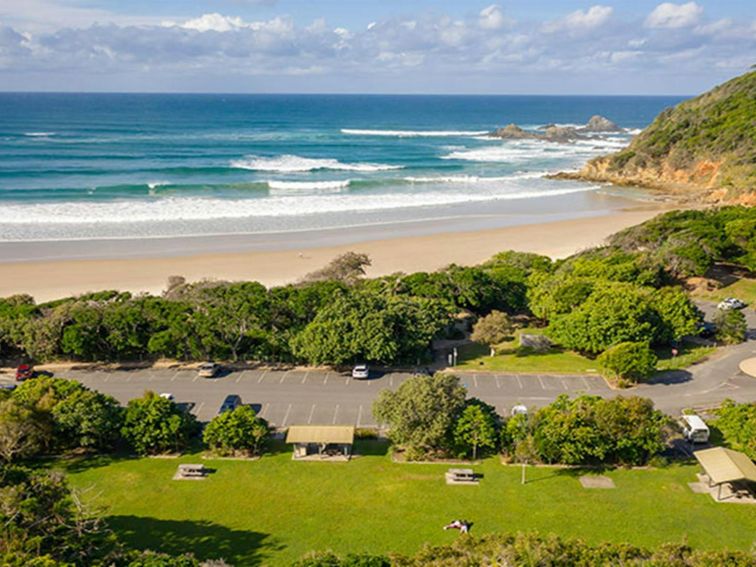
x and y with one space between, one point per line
47 280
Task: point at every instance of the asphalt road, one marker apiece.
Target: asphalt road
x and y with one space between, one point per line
320 397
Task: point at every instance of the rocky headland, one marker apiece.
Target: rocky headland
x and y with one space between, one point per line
702 150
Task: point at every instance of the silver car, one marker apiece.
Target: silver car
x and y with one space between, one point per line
208 369
361 372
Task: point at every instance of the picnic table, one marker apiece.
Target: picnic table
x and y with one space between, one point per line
192 470
461 475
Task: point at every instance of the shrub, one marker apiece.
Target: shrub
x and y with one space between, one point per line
421 413
236 431
737 422
628 361
732 326
493 329
154 425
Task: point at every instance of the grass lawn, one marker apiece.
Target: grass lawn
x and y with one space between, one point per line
475 356
688 355
274 510
509 358
744 289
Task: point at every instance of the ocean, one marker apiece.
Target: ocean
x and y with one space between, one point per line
119 166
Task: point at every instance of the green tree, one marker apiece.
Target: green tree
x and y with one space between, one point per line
22 433
421 413
236 431
493 329
732 327
154 425
476 428
348 268
737 422
613 313
90 419
628 361
678 315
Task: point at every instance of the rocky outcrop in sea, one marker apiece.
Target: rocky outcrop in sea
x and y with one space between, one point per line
553 133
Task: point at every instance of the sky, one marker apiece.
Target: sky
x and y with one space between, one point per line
375 46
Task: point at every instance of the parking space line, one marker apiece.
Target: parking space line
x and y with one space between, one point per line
128 378
199 407
286 417
283 377
326 378
391 380
564 386
519 382
304 380
335 414
262 375
239 378
498 382
106 378
347 381
195 377
175 375
359 416
587 385
475 380
264 409
312 412
543 386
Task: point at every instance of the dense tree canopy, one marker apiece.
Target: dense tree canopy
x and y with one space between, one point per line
154 425
237 431
421 413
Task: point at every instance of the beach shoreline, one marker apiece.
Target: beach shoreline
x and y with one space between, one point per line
275 264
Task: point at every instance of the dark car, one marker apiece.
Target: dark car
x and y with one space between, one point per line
707 330
231 402
24 372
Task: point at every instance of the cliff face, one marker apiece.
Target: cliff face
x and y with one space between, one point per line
702 149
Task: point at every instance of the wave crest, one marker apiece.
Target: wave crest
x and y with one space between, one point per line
413 133
298 164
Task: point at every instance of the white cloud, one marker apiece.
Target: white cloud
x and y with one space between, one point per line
212 22
669 15
492 18
578 20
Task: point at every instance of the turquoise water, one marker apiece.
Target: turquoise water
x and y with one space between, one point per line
85 166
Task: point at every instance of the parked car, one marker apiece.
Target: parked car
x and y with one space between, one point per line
167 396
519 409
707 330
695 429
361 372
731 303
24 372
209 369
231 402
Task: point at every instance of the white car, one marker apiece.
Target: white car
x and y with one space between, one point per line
361 372
695 429
519 409
208 369
167 396
731 303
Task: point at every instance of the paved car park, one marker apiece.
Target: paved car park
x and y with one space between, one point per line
299 396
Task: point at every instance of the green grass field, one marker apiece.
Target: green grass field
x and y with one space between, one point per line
744 289
274 510
474 356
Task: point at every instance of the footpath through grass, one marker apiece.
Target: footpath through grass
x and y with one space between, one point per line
274 510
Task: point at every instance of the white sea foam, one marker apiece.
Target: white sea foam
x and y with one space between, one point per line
634 131
152 186
39 134
297 164
197 208
413 133
307 186
474 179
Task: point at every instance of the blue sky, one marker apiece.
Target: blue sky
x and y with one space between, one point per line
401 46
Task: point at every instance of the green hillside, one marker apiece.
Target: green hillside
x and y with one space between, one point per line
707 142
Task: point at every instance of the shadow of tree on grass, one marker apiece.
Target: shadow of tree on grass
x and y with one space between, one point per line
206 540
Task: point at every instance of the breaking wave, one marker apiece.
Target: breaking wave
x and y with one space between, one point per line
298 164
413 133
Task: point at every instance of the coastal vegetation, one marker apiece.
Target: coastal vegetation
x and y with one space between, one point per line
706 144
627 291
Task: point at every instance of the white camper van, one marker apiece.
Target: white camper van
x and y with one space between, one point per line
695 429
